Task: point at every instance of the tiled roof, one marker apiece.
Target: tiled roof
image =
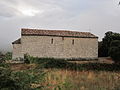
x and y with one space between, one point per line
57 33
18 41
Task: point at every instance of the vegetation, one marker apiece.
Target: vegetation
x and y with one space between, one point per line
8 56
20 80
64 64
82 80
110 46
115 50
58 74
64 75
1 57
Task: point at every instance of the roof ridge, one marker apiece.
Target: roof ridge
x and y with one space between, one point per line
54 30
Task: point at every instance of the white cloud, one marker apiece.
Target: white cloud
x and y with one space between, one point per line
27 11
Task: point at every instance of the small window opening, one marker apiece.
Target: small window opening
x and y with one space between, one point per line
62 38
52 41
73 41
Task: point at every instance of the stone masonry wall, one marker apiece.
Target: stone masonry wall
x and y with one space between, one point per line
17 51
60 47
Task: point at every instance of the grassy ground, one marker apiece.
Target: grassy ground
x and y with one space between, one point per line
95 75
83 80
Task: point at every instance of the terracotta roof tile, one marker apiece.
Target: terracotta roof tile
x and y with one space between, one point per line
57 33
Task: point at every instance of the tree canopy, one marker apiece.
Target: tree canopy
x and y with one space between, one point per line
110 44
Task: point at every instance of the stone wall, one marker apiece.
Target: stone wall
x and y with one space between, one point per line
60 47
17 51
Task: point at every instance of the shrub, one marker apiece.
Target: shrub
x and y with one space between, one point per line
26 59
6 81
8 56
115 50
29 59
25 79
47 62
20 80
53 63
1 57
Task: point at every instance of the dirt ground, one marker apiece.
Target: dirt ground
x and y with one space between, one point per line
19 67
107 60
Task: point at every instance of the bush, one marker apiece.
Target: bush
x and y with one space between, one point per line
26 79
20 80
8 56
1 57
6 81
29 59
53 63
115 50
46 62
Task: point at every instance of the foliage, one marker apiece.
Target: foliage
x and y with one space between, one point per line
64 64
30 59
108 38
115 43
61 75
7 82
20 80
100 49
8 56
106 42
1 57
27 78
26 59
115 50
104 46
1 53
46 62
2 64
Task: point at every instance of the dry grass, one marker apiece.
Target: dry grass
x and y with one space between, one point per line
19 67
67 79
85 80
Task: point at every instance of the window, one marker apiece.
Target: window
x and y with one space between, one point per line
62 38
52 41
73 42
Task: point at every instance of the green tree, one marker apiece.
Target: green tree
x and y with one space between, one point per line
115 50
106 42
100 49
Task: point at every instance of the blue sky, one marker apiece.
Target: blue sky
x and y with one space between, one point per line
95 16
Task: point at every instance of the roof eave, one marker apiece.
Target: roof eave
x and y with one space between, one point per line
57 36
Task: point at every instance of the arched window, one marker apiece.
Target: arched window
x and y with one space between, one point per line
73 42
52 41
